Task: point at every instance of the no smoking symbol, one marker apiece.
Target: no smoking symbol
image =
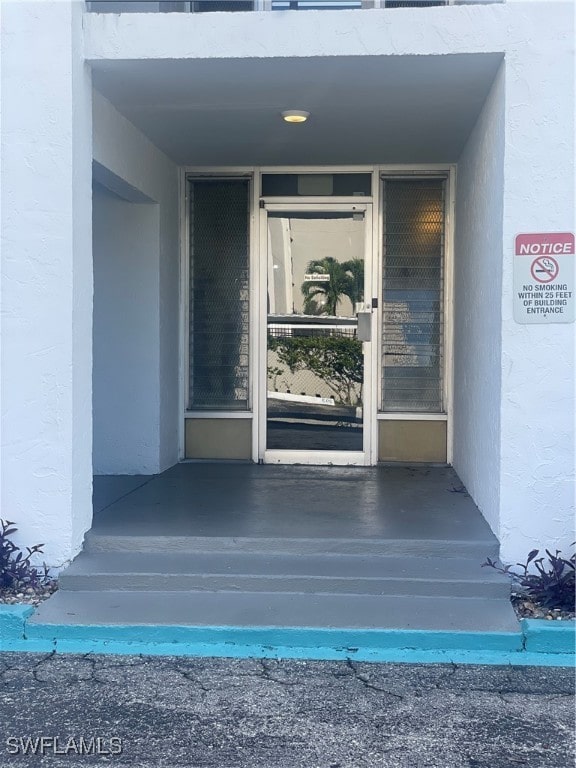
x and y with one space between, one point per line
544 269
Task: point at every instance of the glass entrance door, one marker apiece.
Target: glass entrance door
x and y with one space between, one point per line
318 332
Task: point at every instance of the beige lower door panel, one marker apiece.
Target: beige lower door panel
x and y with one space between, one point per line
412 440
218 439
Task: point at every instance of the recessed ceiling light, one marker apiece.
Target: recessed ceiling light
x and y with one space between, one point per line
295 116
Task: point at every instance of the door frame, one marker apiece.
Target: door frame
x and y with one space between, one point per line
254 173
341 458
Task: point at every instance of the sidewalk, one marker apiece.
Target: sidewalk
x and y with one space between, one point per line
233 713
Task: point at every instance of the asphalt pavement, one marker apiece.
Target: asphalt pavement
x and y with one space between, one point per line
131 711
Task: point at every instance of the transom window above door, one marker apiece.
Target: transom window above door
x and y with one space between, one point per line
316 184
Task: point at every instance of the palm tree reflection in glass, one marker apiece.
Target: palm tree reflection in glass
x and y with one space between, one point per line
346 278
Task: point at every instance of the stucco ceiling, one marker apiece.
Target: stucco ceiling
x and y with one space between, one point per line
405 109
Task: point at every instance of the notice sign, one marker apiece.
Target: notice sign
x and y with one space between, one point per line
544 278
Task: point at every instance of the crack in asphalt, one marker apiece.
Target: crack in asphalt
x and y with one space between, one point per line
274 671
192 678
184 711
19 668
267 674
365 680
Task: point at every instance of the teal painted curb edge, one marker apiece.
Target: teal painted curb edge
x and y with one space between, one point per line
238 651
286 637
13 622
542 636
416 646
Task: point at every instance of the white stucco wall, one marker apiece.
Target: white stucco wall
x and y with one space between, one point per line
46 279
126 397
391 32
138 248
477 306
516 457
537 394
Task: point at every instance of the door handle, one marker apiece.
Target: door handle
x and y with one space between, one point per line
364 327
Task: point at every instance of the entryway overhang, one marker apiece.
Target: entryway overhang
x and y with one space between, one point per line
376 109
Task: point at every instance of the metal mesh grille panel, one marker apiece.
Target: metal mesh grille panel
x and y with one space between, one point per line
413 276
219 295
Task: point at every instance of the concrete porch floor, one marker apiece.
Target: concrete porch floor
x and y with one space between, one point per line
237 500
285 548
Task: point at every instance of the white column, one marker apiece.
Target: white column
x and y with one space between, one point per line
46 279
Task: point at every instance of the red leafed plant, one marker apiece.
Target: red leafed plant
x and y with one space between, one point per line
548 581
16 570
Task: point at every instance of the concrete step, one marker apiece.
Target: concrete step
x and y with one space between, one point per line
111 609
307 574
475 548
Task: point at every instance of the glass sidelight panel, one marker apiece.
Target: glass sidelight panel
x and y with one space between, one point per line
219 295
315 365
413 285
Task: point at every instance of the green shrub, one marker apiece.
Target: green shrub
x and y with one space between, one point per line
337 360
